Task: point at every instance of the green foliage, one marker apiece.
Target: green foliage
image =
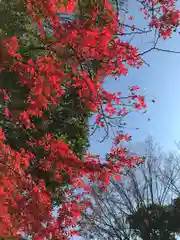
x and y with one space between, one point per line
13 17
70 121
174 224
156 222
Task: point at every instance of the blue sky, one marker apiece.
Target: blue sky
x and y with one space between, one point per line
161 82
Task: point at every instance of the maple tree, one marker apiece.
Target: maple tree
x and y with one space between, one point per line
69 120
77 56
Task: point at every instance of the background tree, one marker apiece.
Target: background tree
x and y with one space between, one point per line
142 205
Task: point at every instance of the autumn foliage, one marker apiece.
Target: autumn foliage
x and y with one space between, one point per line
93 37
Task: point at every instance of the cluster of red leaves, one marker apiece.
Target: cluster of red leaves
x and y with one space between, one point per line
163 15
22 201
26 205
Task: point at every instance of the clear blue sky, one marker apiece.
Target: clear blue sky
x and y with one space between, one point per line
160 81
